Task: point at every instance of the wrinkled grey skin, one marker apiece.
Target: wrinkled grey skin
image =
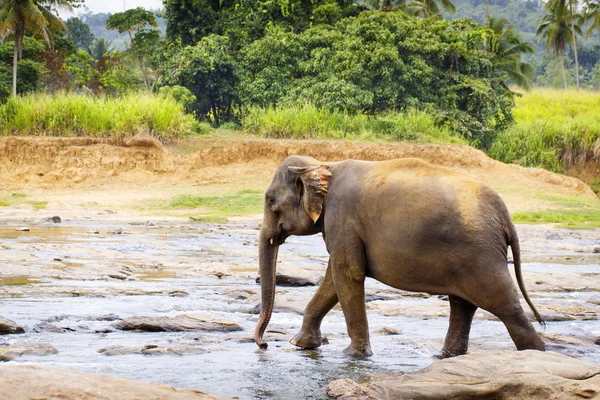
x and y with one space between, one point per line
409 224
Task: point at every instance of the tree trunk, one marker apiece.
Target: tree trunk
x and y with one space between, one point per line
141 63
487 13
15 63
575 47
562 67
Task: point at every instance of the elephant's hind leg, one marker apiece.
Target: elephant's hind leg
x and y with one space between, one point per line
457 338
322 302
500 297
519 327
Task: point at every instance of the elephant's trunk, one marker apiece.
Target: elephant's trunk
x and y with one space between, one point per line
267 258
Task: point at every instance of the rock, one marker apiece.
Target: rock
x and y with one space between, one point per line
525 374
50 220
29 349
47 327
290 276
597 341
386 330
179 323
269 336
596 250
40 382
178 293
594 300
152 349
8 327
23 229
118 276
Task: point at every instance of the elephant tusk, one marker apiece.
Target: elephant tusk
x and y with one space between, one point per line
271 241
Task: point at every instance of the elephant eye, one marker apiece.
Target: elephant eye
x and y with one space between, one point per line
270 202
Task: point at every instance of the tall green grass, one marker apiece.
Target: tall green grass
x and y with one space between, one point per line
554 129
67 114
310 122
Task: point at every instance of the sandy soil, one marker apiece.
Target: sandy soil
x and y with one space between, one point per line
79 173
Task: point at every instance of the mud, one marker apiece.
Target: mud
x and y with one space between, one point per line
54 161
72 288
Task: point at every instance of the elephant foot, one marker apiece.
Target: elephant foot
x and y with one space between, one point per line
446 353
307 341
358 352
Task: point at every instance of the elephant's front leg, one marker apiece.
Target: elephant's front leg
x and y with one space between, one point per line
349 271
322 302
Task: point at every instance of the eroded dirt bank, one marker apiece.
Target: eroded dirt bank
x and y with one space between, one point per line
88 161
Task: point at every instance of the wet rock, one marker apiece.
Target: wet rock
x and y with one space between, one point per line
94 232
594 300
179 323
596 250
9 327
50 220
525 374
386 330
48 327
178 293
242 294
269 336
118 276
31 381
152 349
597 340
29 349
289 276
116 232
23 229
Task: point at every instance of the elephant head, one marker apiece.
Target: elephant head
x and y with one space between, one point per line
293 206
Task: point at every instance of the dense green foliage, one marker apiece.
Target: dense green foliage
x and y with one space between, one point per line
76 115
80 33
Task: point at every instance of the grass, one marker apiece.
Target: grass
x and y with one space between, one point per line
567 211
554 129
219 208
20 198
310 122
67 114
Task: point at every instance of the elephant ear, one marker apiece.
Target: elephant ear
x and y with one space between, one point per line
314 179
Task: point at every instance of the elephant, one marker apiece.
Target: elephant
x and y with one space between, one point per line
407 223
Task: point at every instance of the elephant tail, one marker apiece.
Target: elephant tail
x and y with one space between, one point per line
516 251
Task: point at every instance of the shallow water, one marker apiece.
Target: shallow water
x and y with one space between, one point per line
184 257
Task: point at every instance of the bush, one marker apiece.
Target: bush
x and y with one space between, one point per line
78 115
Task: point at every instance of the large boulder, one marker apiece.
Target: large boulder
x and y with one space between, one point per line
496 374
7 327
179 323
37 382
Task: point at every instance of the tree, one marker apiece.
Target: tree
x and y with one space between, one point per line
80 33
99 48
556 29
575 29
508 49
143 24
592 15
36 16
210 72
430 8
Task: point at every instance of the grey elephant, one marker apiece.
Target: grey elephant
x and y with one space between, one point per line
406 223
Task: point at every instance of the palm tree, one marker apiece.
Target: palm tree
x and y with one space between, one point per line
35 16
430 8
99 48
557 29
508 50
575 29
592 14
